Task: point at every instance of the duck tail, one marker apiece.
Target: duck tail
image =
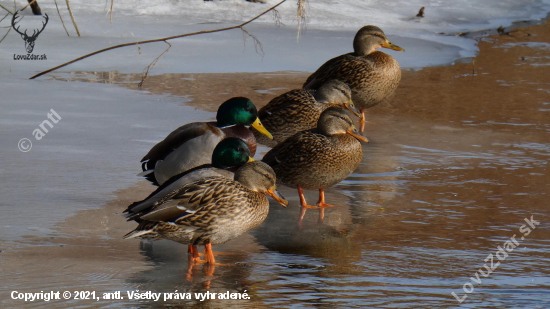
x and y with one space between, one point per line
140 231
144 167
146 172
149 175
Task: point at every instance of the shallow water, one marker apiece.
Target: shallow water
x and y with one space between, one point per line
458 159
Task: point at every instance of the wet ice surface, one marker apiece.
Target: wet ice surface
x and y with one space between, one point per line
87 155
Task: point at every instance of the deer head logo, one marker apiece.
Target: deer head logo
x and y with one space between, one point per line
29 40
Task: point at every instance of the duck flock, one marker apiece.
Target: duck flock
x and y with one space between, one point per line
211 190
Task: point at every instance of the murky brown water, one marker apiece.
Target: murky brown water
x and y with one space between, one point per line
456 162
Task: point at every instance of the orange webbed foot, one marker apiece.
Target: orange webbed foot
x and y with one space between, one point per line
362 122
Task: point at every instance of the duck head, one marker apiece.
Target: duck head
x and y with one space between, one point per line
240 111
231 152
336 120
369 38
260 177
336 92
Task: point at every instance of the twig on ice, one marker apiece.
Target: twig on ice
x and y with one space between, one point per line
6 9
62 22
5 35
301 16
150 66
257 44
112 1
72 17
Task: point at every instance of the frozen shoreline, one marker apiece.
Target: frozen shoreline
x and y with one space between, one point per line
330 30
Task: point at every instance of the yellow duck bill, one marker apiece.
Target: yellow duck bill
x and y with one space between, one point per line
260 127
351 107
277 196
390 45
358 136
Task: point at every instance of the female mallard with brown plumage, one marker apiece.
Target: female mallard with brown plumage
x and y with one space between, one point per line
210 211
319 158
299 110
191 145
371 75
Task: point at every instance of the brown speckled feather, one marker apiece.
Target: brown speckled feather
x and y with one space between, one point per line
212 210
313 161
288 114
371 78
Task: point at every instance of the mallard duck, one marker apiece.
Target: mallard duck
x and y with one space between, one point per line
211 210
371 75
318 158
231 153
191 145
299 110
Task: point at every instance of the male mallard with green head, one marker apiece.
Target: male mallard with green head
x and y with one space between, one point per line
229 155
372 75
191 145
299 110
211 210
318 158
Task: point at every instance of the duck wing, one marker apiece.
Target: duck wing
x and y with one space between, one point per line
170 190
174 140
296 96
296 150
348 68
200 202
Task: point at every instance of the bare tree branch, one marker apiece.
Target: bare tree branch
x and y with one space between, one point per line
277 18
150 66
34 6
26 6
257 44
158 40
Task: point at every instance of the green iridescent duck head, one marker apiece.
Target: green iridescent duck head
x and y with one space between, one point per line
369 38
231 152
240 111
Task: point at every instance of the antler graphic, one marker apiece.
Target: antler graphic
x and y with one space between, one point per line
43 25
29 40
13 22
